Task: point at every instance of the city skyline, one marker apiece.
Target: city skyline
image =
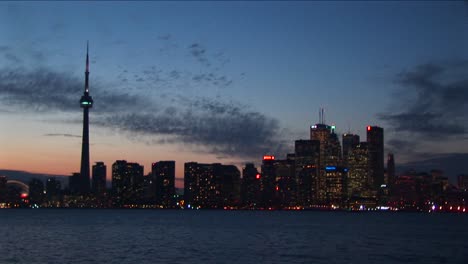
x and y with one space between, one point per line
197 97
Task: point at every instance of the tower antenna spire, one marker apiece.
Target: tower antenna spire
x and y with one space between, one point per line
87 68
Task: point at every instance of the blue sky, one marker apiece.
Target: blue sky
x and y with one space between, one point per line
279 60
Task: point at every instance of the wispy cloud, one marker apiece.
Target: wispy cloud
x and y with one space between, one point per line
225 128
431 101
61 135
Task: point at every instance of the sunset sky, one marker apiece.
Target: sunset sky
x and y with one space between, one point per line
227 81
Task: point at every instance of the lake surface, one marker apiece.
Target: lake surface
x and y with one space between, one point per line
165 236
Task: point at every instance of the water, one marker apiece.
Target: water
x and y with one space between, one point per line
160 236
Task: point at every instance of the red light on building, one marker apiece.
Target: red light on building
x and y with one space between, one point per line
24 195
268 157
277 188
368 128
257 176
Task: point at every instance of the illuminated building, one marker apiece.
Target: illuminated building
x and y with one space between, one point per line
163 177
358 183
286 185
99 178
335 182
211 185
86 102
330 155
250 187
375 144
127 183
307 157
36 191
350 141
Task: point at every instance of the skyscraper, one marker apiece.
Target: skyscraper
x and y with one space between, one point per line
350 141
250 188
330 155
390 169
358 176
307 159
99 178
211 185
375 144
163 178
86 102
127 183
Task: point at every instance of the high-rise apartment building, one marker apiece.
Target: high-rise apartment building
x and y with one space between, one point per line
127 183
163 178
99 178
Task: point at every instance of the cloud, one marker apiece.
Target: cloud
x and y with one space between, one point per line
164 37
61 135
199 53
431 101
43 89
221 128
225 128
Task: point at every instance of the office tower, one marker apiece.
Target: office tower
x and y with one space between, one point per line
358 181
390 169
228 179
127 183
268 181
36 191
375 144
286 185
99 178
250 189
349 142
199 185
210 185
336 185
307 159
330 155
163 177
86 102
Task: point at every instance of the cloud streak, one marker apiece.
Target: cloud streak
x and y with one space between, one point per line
215 126
432 99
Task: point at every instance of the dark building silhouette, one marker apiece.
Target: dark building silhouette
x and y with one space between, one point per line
3 189
163 178
250 188
375 144
36 191
390 169
286 185
268 181
307 160
350 141
53 192
463 182
99 178
86 102
127 183
211 185
74 183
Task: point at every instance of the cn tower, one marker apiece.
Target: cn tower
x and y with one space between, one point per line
86 102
